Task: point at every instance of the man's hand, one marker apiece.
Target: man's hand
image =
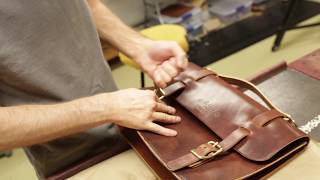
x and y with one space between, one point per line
138 109
161 60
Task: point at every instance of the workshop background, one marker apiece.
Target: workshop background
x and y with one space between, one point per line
238 43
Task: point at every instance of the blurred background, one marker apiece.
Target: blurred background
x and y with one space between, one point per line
234 37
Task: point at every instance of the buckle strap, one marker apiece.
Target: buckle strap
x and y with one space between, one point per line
171 89
207 151
181 82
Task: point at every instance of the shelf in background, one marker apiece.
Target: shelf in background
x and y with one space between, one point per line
223 42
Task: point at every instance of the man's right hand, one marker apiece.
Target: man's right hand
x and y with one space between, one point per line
138 109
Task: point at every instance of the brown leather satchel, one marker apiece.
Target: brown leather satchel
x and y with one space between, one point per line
224 134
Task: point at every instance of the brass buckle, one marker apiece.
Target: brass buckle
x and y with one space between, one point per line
205 158
288 118
160 92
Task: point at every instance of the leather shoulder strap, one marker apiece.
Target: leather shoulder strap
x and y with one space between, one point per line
250 86
180 84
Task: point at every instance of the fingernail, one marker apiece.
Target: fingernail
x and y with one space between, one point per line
178 118
173 133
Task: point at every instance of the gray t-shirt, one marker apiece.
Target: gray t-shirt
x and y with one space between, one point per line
49 53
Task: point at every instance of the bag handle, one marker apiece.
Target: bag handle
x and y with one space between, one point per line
250 86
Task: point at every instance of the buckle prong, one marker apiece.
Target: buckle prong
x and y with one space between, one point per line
288 118
204 158
161 93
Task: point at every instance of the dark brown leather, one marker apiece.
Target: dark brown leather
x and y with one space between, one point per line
182 81
226 114
309 64
213 110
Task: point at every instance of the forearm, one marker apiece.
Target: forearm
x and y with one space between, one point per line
33 124
113 30
161 60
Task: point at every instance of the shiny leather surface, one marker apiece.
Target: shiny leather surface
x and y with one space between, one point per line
227 108
210 110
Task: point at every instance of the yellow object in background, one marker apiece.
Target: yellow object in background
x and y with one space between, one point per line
170 32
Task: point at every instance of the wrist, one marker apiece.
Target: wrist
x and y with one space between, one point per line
139 46
106 104
95 108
